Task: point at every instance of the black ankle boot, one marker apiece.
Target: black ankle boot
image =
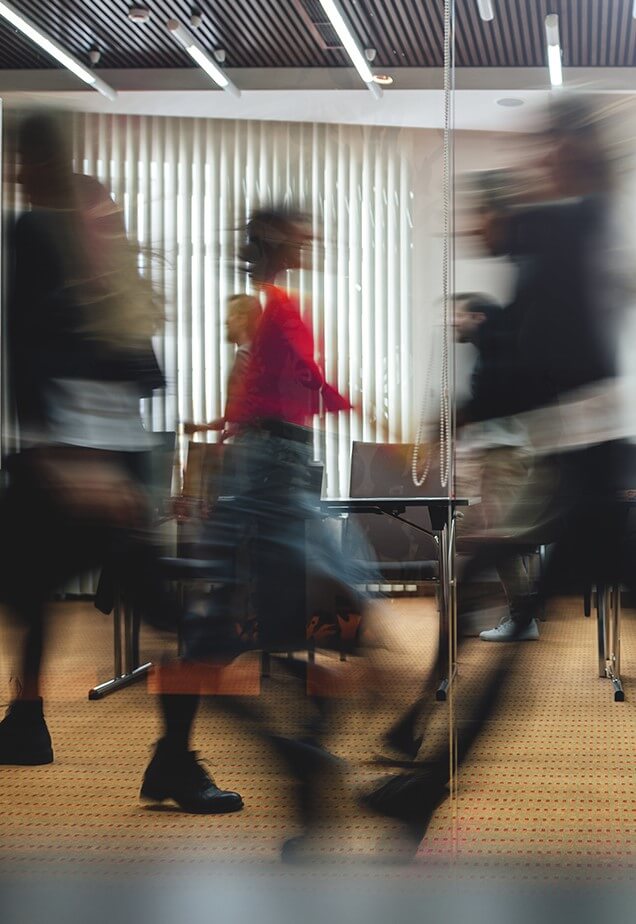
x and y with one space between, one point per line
411 798
320 781
179 776
24 737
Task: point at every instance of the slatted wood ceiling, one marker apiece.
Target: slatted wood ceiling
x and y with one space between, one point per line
275 33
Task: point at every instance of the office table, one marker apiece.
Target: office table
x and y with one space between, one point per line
443 513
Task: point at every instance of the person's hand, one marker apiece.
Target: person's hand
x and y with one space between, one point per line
190 429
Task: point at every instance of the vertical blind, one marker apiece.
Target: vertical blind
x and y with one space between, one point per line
187 186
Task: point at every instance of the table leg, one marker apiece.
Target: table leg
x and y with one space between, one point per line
614 652
127 669
447 606
601 629
608 609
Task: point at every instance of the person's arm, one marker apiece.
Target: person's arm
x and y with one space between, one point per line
494 386
235 387
301 343
333 401
190 428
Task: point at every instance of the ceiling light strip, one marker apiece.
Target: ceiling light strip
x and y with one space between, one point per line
554 49
51 47
200 56
337 19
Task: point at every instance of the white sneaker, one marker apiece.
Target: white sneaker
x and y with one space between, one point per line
506 632
476 622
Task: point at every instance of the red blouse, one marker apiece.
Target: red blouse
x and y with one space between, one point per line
283 380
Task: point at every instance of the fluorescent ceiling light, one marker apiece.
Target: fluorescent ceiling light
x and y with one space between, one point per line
51 47
340 24
201 57
486 10
634 10
554 49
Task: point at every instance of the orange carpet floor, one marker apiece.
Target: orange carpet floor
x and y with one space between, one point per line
549 784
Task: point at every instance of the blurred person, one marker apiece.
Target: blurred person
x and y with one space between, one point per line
243 315
79 332
565 352
270 501
81 319
492 457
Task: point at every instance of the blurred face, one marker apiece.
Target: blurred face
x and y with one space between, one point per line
46 183
35 178
492 229
235 326
297 247
467 322
557 162
569 161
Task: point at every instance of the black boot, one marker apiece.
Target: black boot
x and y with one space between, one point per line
410 798
319 776
24 737
179 776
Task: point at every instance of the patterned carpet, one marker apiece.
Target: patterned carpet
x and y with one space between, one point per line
550 784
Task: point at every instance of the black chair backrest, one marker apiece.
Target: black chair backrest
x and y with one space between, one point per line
161 467
316 479
384 470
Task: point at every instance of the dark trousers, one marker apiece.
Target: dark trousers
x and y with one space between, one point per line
43 545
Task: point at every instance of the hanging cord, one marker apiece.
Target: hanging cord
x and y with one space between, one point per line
445 399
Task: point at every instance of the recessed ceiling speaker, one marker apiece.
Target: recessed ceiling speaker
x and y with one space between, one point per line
139 13
94 56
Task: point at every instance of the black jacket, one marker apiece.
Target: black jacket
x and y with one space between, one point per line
563 299
494 384
557 333
44 327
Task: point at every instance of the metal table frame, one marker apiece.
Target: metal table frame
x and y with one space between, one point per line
127 669
608 615
443 513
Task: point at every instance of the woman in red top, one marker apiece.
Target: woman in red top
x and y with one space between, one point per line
271 413
272 499
283 382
